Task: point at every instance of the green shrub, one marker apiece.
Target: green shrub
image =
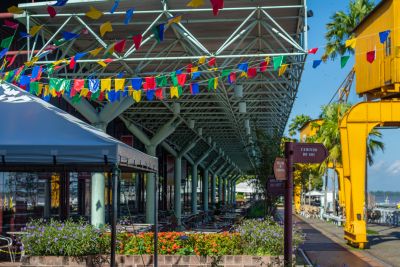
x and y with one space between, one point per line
64 239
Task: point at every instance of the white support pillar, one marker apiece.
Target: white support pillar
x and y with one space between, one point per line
205 192
97 211
195 181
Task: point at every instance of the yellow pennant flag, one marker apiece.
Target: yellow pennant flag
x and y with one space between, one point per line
174 92
105 27
119 84
15 10
96 51
351 43
39 91
176 19
30 63
46 90
267 60
84 92
137 95
35 29
53 92
196 3
105 84
202 60
110 49
215 83
243 74
102 63
194 69
61 61
94 13
130 90
282 69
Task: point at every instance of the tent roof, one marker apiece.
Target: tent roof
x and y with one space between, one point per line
36 135
314 193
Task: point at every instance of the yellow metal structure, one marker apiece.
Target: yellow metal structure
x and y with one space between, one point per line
354 130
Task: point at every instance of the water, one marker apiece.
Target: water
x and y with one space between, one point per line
393 198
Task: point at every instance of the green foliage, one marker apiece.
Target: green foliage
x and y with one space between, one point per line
297 123
257 210
64 239
264 237
340 28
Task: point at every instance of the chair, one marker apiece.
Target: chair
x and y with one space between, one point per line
6 242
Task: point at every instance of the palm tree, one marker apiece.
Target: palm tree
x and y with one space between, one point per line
297 123
340 28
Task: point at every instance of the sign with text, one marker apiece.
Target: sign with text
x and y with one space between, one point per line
309 153
280 169
276 187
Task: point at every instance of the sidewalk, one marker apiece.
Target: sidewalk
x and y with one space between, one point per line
384 247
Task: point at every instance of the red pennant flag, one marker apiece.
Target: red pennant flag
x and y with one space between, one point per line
263 66
232 77
313 50
150 83
371 56
10 24
72 63
120 46
159 94
137 40
211 62
108 60
78 84
11 61
181 79
252 72
52 11
101 96
217 5
189 68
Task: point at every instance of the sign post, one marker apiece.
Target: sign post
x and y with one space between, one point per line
297 153
280 169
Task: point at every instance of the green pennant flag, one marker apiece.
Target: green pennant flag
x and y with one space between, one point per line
65 85
34 88
161 81
76 99
180 90
55 84
174 79
225 73
277 62
5 43
10 75
50 69
343 61
211 84
95 96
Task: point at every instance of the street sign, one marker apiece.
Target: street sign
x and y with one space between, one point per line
280 169
308 153
276 187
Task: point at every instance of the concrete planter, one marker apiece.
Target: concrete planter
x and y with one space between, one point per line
163 261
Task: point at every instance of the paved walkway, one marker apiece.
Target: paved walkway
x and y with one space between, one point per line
325 245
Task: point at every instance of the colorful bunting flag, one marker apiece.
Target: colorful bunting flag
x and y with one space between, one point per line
150 83
24 34
263 66
383 36
161 81
36 73
24 80
11 24
243 66
102 63
52 11
94 85
316 63
94 13
105 85
137 40
282 69
232 78
277 61
129 15
202 60
105 27
78 84
11 61
212 62
69 35
225 73
120 46
60 3
176 19
181 79
174 92
137 95
96 51
371 56
15 10
313 50
196 3
194 88
213 83
34 30
252 72
159 32
217 5
150 95
343 61
114 7
136 83
195 75
3 52
6 42
119 84
351 43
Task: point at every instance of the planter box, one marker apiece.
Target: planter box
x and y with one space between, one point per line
147 260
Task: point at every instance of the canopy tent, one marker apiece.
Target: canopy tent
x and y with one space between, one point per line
35 135
245 187
313 193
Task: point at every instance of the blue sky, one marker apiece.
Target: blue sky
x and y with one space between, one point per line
319 85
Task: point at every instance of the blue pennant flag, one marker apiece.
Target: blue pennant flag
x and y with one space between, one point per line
383 36
80 55
125 92
94 85
194 88
60 3
159 32
316 63
3 52
24 80
69 35
46 98
129 15
178 72
111 96
118 96
195 75
114 7
24 35
120 75
243 66
150 95
136 83
35 72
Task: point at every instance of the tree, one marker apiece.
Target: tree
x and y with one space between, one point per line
340 28
297 123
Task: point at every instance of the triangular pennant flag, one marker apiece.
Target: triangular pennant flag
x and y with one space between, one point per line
343 61
120 46
161 81
105 27
136 83
263 66
65 85
60 3
196 3
194 88
11 24
69 35
225 73
3 52
150 95
181 79
243 66
174 79
252 72
174 92
105 84
211 84
94 13
211 62
316 63
36 73
114 7
119 84
6 42
232 77
351 43
313 50
94 85
195 75
78 84
96 51
129 15
11 61
52 11
72 63
35 29
137 95
159 32
371 56
137 40
95 95
277 62
189 68
194 69
102 63
24 35
282 69
80 55
383 36
176 19
30 63
15 10
150 82
215 83
202 60
217 5
25 80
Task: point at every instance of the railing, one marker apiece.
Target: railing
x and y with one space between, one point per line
385 216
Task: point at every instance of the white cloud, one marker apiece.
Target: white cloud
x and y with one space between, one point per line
377 166
394 168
